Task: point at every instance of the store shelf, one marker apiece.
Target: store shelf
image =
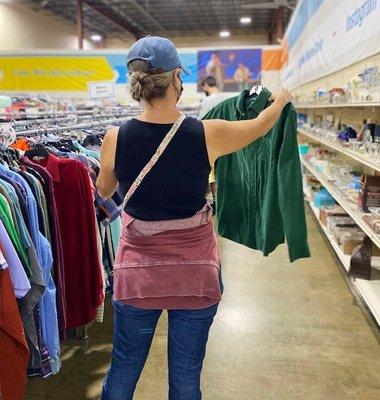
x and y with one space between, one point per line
348 152
351 209
339 105
344 258
369 290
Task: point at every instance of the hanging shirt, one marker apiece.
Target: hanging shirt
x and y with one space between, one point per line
260 196
76 216
32 210
14 351
20 281
56 242
15 204
209 102
47 307
6 217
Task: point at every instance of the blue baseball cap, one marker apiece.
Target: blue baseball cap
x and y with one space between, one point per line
158 52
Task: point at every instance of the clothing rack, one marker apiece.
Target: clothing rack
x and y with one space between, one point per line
26 122
95 113
67 128
66 118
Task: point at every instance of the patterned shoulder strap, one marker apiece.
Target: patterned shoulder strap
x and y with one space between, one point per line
161 148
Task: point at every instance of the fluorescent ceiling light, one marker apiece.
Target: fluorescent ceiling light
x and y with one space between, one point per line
224 34
96 38
245 20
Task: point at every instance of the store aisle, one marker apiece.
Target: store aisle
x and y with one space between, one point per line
284 332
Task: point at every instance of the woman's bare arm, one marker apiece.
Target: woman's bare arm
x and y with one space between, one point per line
107 182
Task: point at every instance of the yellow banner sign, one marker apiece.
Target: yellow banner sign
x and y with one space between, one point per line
66 73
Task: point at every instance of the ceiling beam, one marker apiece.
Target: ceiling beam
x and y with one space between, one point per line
276 30
105 11
280 24
79 17
148 15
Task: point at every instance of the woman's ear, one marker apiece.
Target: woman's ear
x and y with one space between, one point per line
177 75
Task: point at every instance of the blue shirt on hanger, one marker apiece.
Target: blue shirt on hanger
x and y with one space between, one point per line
48 309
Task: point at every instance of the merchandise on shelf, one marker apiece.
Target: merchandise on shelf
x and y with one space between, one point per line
373 221
369 194
347 139
333 211
333 221
323 198
361 88
344 182
303 148
347 133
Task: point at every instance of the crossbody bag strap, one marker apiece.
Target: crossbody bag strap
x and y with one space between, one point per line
161 148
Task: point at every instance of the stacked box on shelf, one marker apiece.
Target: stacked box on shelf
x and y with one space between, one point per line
342 227
323 198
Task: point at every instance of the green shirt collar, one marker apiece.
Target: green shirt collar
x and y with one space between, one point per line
256 105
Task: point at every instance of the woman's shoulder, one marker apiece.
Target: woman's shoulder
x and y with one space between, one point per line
192 122
193 126
127 124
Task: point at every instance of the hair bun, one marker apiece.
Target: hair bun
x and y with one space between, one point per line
146 84
142 84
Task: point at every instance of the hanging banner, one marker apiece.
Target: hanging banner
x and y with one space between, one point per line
72 71
69 72
52 72
325 36
237 69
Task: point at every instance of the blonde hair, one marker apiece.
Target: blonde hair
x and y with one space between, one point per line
147 84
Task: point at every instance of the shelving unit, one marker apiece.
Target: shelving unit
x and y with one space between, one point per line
352 113
343 150
351 210
339 105
344 258
369 290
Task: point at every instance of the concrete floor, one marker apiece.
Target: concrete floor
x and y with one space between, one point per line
283 332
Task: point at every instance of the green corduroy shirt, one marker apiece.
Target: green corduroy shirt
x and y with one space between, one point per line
259 188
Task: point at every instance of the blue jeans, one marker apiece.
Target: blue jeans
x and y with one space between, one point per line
133 333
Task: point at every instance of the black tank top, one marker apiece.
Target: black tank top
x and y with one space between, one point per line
176 186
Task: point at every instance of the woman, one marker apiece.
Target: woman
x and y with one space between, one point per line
168 256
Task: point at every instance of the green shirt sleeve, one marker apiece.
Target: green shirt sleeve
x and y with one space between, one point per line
290 191
6 217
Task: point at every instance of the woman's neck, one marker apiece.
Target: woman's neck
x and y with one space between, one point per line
160 112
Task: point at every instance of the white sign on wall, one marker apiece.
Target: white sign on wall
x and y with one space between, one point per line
101 90
325 36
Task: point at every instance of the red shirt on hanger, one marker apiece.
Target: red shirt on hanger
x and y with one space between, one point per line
76 217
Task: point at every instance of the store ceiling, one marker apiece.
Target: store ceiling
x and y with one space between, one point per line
171 18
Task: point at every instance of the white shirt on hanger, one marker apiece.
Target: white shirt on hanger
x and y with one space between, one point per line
209 102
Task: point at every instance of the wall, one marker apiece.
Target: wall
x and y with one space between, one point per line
325 36
200 41
63 73
23 28
27 33
207 41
